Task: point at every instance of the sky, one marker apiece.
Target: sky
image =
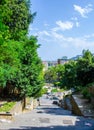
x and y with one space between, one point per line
63 27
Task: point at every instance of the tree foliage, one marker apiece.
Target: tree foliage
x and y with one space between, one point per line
73 73
17 16
69 78
85 68
30 77
54 75
20 66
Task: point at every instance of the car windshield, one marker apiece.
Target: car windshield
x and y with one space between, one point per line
55 98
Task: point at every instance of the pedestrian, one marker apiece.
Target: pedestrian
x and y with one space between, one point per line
38 100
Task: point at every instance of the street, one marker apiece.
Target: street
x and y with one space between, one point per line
48 117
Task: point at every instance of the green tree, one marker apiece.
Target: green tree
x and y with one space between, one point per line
9 62
17 16
60 69
30 77
87 55
55 74
20 66
85 68
50 75
69 78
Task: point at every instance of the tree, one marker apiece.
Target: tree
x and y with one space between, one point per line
20 66
69 78
55 74
88 56
60 69
85 68
17 16
9 58
50 75
29 80
9 62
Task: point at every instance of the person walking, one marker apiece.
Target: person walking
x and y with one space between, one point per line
38 100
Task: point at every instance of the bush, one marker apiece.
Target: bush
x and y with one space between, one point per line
91 88
54 90
44 90
86 94
78 88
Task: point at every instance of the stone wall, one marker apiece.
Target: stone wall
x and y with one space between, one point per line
29 104
7 116
91 90
67 103
35 103
75 107
18 108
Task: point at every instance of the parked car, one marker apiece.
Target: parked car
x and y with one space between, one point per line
55 100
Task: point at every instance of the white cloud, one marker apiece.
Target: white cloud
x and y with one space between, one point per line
57 35
53 36
83 42
65 25
83 11
75 42
76 22
42 33
46 33
44 36
89 37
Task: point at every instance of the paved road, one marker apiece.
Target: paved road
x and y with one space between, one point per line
48 117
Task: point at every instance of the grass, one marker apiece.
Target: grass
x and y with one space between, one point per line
7 106
58 90
54 90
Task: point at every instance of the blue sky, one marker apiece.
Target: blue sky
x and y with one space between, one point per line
63 27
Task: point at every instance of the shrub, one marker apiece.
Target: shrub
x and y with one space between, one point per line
86 94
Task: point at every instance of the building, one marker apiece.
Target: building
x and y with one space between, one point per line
48 64
63 60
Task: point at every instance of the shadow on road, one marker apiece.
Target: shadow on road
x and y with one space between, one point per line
80 124
54 128
54 111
